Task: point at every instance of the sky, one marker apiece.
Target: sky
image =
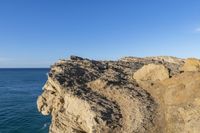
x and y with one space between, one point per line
36 33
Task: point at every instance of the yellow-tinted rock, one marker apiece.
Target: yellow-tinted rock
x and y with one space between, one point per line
191 64
151 72
179 102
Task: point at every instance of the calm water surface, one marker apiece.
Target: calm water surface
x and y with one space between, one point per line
19 89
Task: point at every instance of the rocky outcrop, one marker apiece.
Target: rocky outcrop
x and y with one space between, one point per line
191 64
132 95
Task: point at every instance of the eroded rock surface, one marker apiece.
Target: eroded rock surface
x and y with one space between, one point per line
178 99
191 64
87 96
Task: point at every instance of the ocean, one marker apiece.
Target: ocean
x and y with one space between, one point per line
19 89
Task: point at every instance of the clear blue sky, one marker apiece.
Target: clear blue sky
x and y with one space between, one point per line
36 33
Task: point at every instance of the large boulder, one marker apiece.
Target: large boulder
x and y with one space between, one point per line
151 72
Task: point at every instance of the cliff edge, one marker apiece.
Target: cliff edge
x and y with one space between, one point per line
131 95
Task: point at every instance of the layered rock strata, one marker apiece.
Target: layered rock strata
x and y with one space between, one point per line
132 95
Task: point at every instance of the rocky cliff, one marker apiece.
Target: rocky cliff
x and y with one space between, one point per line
132 95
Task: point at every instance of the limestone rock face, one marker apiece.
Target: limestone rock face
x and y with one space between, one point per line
151 72
191 64
181 98
178 99
87 96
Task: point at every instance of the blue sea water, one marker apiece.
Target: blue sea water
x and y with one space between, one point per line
19 89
